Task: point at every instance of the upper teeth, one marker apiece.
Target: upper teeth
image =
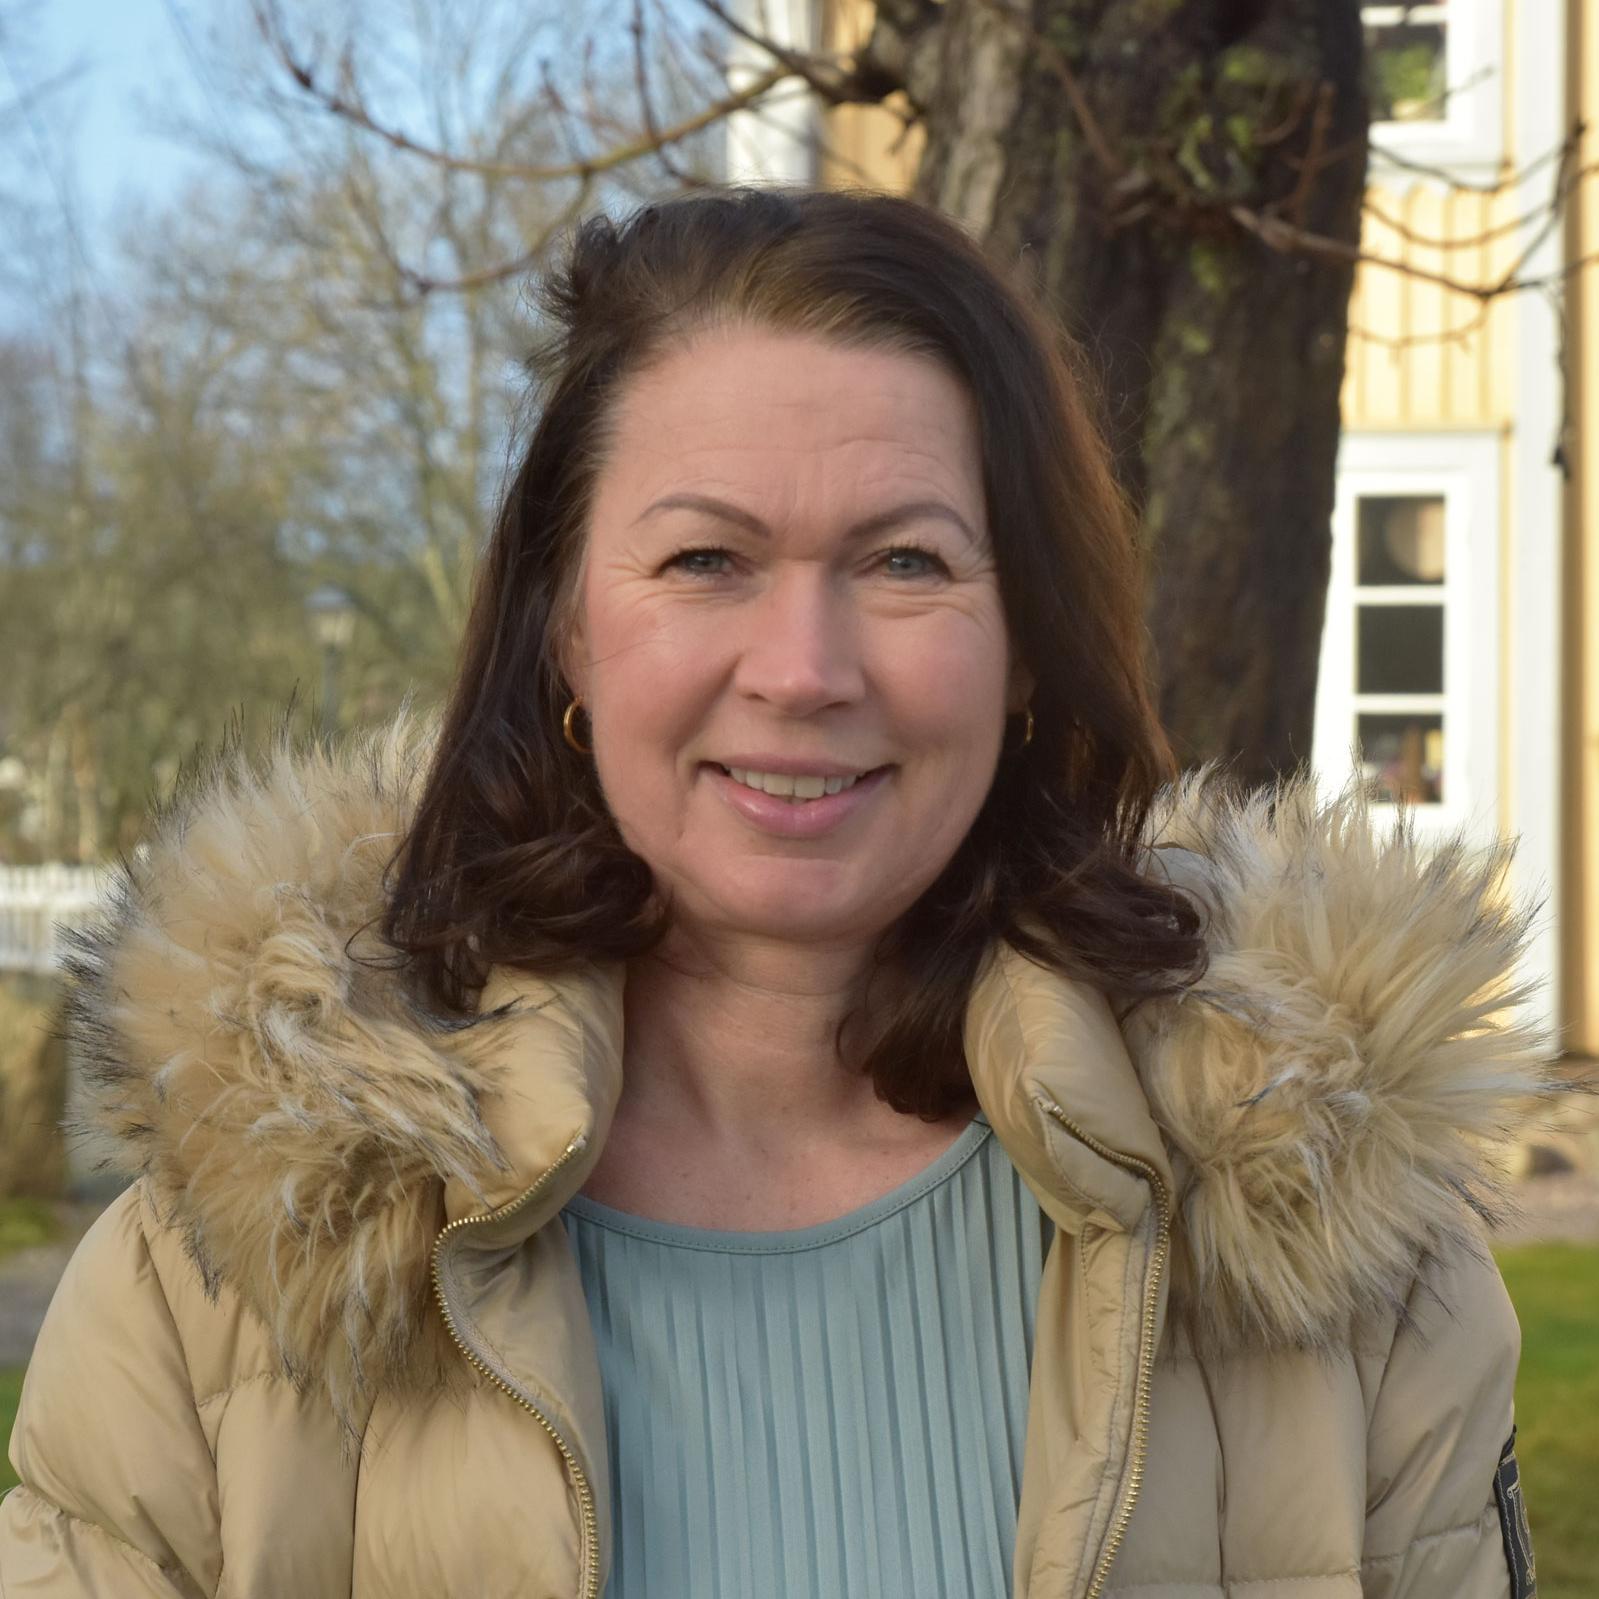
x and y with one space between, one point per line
806 787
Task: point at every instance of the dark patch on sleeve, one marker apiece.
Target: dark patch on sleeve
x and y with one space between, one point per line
1513 1523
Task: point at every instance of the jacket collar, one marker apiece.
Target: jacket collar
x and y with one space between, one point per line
1033 1039
1323 1106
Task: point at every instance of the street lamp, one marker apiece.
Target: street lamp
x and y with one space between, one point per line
332 616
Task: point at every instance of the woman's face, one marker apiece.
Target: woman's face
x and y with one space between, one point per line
788 574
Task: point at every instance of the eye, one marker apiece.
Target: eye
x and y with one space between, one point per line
931 562
704 560
696 562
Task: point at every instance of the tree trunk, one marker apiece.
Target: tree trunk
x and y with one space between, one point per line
1221 358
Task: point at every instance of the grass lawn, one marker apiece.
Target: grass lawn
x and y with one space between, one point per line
1555 1288
25 1223
10 1392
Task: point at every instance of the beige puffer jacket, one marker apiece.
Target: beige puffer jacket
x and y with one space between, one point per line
332 1341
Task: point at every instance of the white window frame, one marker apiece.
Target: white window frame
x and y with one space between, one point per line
1463 469
1469 139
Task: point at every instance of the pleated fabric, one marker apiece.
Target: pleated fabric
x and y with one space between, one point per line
826 1411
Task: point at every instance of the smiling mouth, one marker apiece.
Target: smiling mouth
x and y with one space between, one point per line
794 789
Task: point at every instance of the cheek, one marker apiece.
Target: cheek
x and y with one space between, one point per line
948 676
637 634
652 686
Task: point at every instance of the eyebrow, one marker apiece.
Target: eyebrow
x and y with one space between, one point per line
878 522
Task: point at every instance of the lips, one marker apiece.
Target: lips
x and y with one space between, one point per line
796 818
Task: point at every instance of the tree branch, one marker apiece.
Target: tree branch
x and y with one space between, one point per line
1460 336
1287 235
351 109
424 284
834 78
641 81
1316 156
1471 241
1509 179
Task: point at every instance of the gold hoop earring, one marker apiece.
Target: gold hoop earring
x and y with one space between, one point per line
1027 731
566 728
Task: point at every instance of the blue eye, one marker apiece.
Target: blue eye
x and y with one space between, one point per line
934 563
700 561
683 559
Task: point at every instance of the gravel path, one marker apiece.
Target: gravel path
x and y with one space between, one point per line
1560 1208
27 1280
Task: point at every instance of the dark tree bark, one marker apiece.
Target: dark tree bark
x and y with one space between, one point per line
1128 150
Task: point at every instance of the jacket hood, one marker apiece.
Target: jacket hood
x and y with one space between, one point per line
1326 1105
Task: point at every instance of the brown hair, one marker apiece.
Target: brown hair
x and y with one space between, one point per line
512 855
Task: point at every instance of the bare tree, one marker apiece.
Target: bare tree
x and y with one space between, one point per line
1183 179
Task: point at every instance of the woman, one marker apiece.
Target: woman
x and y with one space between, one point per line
740 1107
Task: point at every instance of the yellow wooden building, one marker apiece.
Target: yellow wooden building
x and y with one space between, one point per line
1461 648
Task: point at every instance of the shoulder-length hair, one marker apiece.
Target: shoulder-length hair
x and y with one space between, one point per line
512 855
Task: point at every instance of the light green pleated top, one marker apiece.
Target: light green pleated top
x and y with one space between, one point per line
834 1410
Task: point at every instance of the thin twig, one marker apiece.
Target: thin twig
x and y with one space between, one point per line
1551 221
1470 241
641 80
1289 125
1280 235
1511 179
425 285
1549 279
1316 156
1460 336
832 77
353 111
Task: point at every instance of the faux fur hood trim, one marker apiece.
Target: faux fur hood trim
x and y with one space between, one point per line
293 1117
1330 1095
1339 1092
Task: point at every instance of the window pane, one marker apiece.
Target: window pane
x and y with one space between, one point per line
1402 757
1405 61
1400 538
1399 649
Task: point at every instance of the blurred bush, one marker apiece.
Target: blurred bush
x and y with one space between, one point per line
33 1089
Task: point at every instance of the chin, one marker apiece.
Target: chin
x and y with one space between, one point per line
784 911
819 926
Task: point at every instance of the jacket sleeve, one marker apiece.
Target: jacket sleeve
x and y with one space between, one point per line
1443 1517
118 1489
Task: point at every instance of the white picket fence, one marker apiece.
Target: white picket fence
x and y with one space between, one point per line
33 900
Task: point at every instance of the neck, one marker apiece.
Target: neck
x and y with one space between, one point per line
731 1040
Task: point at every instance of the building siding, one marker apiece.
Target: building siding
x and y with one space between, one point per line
1423 357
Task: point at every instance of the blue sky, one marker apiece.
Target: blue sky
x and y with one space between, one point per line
96 135
132 64
105 80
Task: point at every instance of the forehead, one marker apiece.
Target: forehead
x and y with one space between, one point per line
791 419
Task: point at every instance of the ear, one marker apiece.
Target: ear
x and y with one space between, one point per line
571 658
571 652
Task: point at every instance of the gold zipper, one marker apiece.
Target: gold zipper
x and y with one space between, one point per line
1146 1340
590 1558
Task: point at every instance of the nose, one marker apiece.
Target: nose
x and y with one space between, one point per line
800 643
